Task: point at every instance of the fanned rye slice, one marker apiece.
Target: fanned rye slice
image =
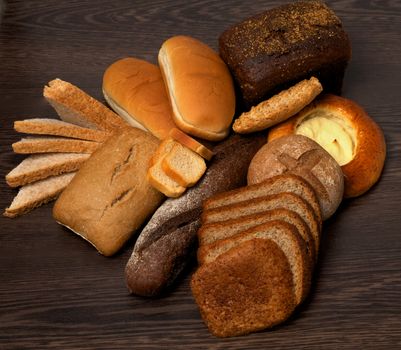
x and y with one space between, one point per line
277 184
284 200
211 233
246 289
286 237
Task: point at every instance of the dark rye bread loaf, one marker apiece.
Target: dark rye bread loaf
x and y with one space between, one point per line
164 247
211 233
288 201
286 237
279 47
274 185
246 289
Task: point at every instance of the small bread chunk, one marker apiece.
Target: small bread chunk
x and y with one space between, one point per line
183 165
156 175
40 166
38 193
191 143
75 106
31 145
214 232
55 127
246 289
286 237
279 107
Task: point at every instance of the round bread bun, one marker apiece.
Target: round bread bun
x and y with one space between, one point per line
200 87
346 131
299 155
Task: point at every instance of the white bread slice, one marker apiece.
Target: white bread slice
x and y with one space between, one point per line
214 232
191 143
38 193
285 200
286 237
75 106
40 166
183 165
156 175
47 126
30 145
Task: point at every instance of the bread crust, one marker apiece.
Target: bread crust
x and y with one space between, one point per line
199 86
363 171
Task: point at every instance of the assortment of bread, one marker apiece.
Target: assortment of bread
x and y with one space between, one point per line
255 209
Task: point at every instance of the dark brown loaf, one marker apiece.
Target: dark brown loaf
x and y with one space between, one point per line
275 49
164 246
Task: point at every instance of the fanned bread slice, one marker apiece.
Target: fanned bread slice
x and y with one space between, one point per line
40 166
156 175
284 200
286 237
246 289
55 127
38 193
31 145
274 185
75 106
211 233
183 165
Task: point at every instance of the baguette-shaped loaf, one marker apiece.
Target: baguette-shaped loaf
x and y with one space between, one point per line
110 197
164 247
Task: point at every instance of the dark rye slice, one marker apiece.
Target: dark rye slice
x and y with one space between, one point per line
276 184
289 241
211 233
246 289
285 200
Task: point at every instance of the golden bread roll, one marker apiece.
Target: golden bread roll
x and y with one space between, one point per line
199 86
135 90
347 132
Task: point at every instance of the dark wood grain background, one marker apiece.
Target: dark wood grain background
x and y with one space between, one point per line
56 291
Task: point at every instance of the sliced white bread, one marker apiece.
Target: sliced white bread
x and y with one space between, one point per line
286 237
31 145
183 165
55 127
284 200
40 166
211 233
37 193
274 185
75 106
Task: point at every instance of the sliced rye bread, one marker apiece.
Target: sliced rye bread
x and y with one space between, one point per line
55 127
210 233
75 106
31 145
37 193
40 166
284 200
183 165
286 237
277 184
246 289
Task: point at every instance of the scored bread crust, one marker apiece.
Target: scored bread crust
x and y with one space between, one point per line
77 107
279 107
135 90
363 171
236 294
199 86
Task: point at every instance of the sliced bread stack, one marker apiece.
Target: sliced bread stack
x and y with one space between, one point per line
59 147
266 239
175 167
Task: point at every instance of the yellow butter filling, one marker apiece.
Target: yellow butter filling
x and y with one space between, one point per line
333 133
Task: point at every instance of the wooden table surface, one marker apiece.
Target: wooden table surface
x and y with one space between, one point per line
56 291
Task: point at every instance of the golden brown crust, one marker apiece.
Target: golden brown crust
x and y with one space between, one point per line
279 107
199 86
135 89
362 172
191 143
